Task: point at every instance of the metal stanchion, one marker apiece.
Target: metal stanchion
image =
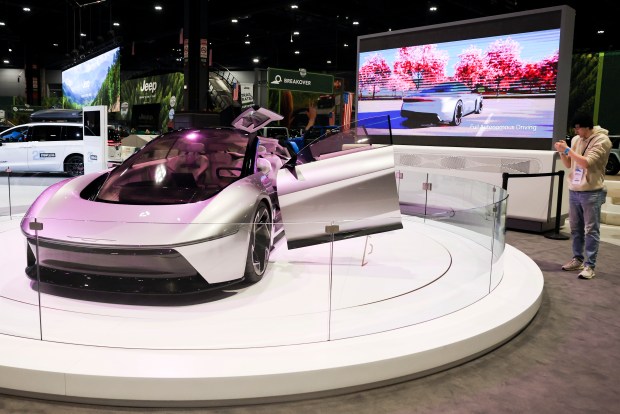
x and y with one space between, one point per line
555 234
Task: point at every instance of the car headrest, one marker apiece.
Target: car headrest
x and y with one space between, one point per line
192 147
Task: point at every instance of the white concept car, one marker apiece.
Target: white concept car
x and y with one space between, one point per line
444 102
198 209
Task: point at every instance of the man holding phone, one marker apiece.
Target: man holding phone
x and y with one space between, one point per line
586 158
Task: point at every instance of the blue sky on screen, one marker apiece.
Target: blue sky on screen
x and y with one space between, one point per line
86 79
535 46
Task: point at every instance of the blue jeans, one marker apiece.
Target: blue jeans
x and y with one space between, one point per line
584 215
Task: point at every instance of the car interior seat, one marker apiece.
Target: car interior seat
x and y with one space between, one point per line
275 163
192 160
221 164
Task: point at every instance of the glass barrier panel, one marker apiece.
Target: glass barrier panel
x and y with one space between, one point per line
5 196
23 190
499 237
19 299
464 203
412 192
164 284
403 277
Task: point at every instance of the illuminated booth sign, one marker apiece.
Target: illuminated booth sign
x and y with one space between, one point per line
300 80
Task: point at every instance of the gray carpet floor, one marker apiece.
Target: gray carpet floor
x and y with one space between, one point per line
567 360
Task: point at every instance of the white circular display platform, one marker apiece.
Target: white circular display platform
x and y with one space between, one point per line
419 300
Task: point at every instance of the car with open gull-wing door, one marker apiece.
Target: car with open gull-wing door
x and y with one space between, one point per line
198 209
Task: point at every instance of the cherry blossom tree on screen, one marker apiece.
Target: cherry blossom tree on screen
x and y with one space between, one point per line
471 68
503 62
549 71
543 74
374 74
419 65
531 75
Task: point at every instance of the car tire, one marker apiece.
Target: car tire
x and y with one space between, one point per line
259 245
478 107
74 165
458 114
613 166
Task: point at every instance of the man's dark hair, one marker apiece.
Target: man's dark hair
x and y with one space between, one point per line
583 120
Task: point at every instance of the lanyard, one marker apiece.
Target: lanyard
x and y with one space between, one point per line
586 148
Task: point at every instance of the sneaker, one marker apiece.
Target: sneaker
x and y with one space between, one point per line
574 264
587 273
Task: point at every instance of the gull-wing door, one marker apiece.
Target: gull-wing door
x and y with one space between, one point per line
251 120
336 188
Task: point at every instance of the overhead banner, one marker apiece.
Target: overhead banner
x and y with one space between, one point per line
300 80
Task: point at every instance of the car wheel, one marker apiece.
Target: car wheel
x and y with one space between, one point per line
613 166
74 165
478 107
259 246
458 114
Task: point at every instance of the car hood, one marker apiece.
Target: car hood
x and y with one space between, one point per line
68 218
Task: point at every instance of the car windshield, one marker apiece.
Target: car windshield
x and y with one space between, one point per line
448 87
179 167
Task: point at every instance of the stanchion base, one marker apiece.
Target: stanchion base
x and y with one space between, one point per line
556 236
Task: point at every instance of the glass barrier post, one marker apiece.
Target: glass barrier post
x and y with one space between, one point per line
8 172
37 226
331 230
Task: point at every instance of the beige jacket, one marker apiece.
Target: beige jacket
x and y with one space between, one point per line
596 149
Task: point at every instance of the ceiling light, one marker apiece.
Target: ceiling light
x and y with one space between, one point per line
255 60
10 50
433 8
116 24
234 20
2 24
297 52
5 61
26 9
346 45
355 22
55 44
247 42
158 8
247 35
294 6
295 33
601 31
82 34
329 62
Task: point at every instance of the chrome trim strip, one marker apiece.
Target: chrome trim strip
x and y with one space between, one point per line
129 246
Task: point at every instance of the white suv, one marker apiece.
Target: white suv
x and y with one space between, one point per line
43 146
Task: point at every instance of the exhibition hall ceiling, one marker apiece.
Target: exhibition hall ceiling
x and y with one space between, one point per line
317 35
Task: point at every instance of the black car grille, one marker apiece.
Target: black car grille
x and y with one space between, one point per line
140 271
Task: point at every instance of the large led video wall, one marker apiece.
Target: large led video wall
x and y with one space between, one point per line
96 81
499 82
